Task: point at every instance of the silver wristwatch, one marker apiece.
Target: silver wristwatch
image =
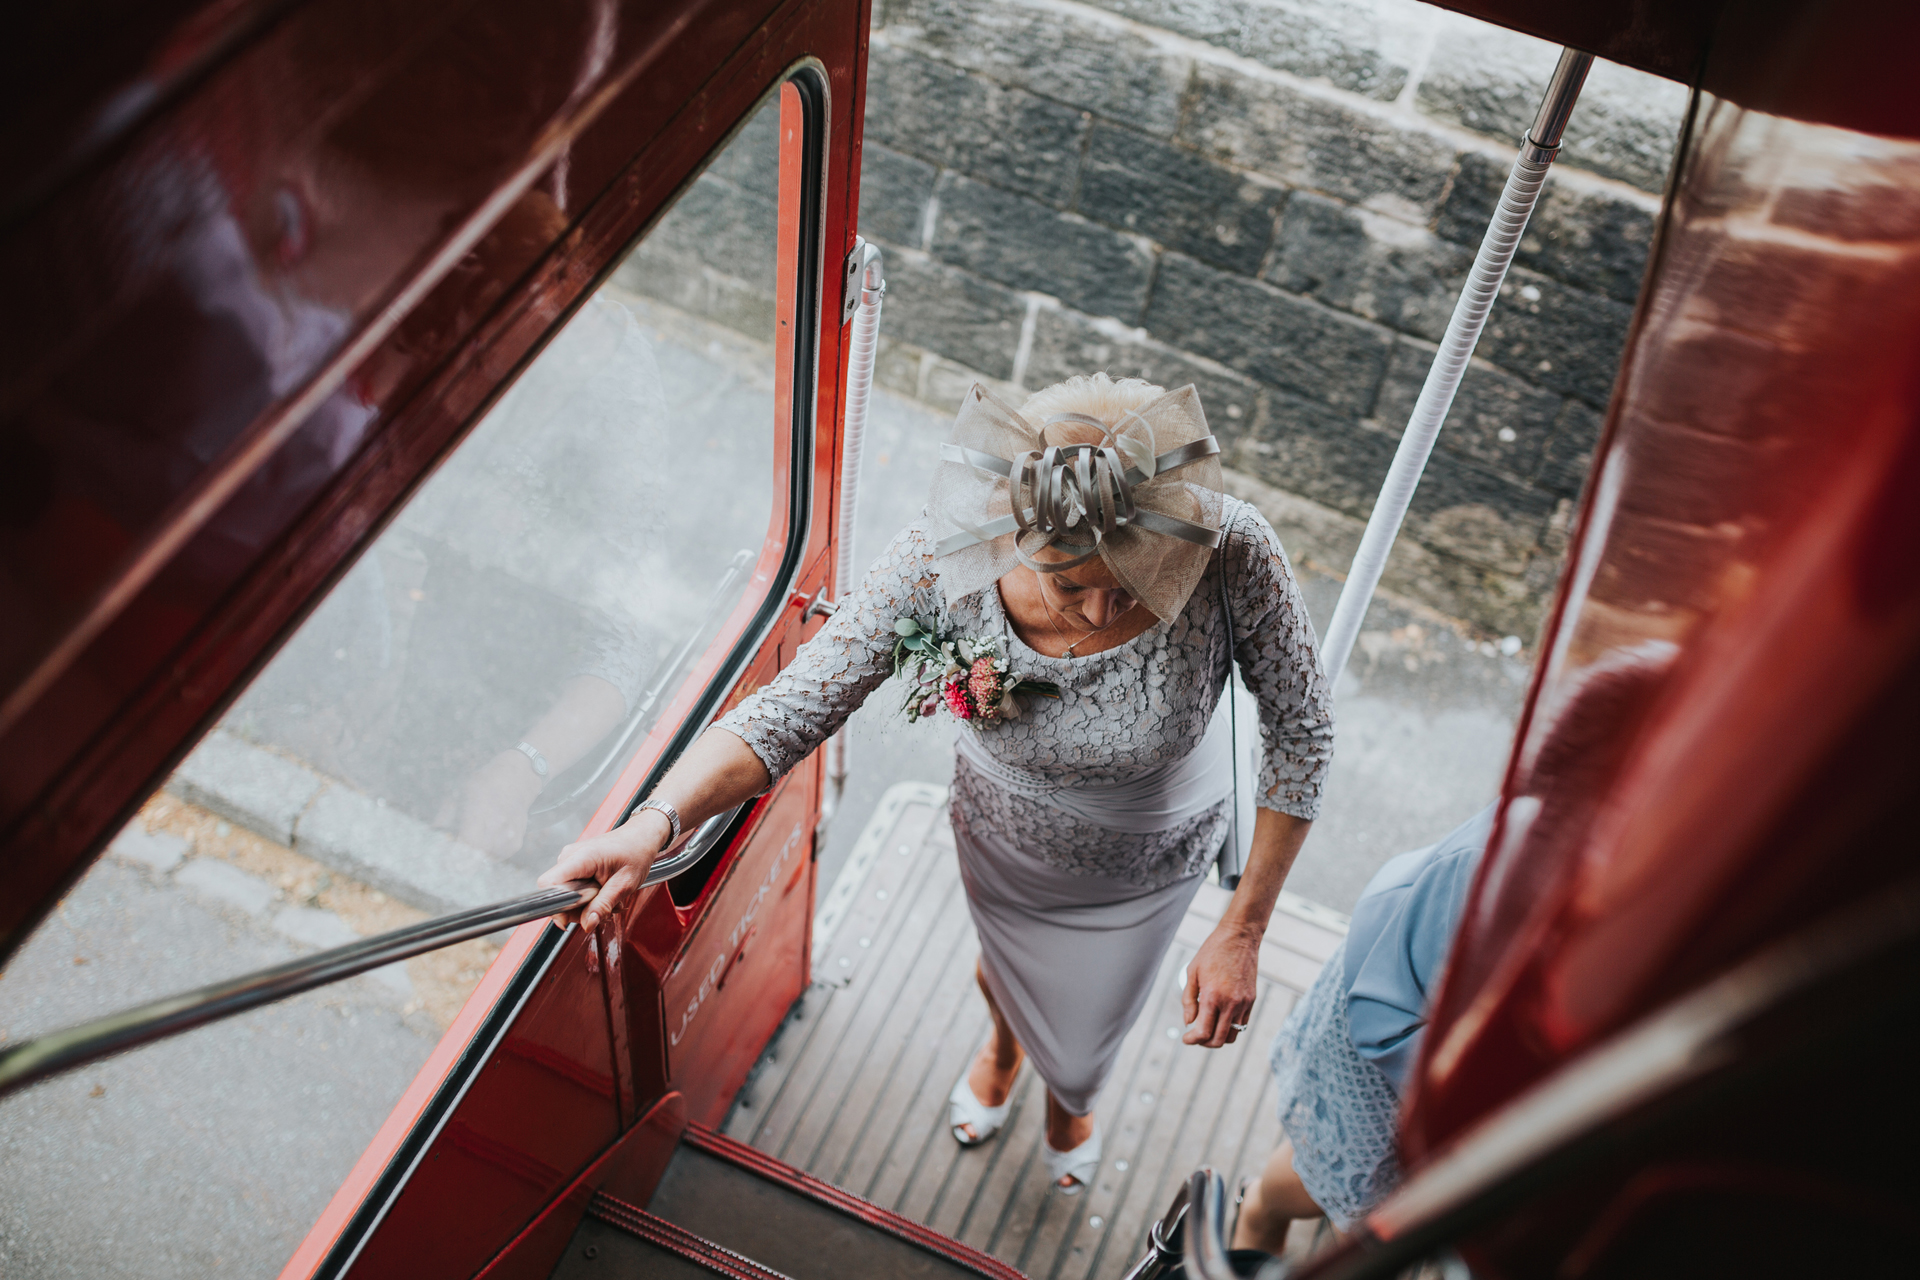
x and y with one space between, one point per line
671 814
534 758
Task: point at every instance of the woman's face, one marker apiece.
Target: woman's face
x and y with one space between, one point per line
1089 594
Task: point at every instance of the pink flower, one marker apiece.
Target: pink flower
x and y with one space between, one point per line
957 700
985 685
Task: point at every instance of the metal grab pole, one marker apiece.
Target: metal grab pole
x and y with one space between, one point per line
1537 151
867 270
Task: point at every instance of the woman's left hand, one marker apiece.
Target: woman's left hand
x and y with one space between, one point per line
1222 980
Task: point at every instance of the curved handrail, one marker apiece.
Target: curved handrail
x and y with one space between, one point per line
84 1042
1206 1231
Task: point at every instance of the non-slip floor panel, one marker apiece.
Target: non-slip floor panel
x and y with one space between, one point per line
853 1088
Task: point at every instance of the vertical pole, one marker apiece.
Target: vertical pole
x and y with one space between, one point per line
866 273
1537 151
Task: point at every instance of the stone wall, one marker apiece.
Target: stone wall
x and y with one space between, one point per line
1275 200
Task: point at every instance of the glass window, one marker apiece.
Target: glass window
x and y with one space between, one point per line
489 665
449 716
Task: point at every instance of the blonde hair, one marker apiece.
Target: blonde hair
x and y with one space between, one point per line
1094 394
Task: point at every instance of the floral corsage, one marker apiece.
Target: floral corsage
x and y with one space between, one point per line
968 676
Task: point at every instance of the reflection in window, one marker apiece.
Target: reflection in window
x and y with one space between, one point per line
538 603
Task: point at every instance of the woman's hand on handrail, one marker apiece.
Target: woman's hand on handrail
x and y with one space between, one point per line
718 772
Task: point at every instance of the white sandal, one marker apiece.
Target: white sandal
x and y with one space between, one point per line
965 1108
1081 1164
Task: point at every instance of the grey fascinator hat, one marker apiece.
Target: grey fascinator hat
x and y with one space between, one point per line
1142 492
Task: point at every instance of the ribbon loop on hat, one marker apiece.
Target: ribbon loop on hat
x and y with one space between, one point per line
1080 499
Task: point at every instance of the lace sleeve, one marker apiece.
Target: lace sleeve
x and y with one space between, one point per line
852 655
1280 662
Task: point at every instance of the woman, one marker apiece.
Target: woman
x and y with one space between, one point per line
1078 547
1345 1054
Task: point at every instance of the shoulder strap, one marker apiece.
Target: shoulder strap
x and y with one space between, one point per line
1229 860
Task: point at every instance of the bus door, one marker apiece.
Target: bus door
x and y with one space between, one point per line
445 399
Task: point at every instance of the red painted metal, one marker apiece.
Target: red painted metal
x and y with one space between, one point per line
629 1171
759 1163
677 1240
1719 745
377 186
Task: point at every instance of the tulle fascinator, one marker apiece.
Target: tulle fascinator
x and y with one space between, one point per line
1142 493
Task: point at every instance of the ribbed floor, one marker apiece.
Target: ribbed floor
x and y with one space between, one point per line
853 1088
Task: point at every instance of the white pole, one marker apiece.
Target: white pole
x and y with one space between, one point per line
1537 151
867 266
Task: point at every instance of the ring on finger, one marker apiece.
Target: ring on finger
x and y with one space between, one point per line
1238 1026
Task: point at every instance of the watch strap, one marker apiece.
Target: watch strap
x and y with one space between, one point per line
671 814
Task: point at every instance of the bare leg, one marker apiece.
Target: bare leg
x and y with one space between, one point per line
1065 1130
1271 1205
992 1073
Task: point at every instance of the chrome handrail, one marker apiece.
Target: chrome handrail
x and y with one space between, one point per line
1206 1243
1164 1244
84 1042
693 848
97 1038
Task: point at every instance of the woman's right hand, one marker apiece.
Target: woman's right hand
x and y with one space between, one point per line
618 861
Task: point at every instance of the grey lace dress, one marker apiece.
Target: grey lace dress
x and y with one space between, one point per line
1074 916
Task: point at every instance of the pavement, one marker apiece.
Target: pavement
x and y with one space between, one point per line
212 1153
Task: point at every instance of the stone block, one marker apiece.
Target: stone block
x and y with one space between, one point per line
1368 48
402 856
894 190
1319 538
1178 198
1558 336
1568 456
1378 267
1580 233
953 312
1461 507
1025 245
1070 56
947 117
1271 336
1490 80
1500 419
1389 164
247 785
228 884
751 158
1067 343
155 850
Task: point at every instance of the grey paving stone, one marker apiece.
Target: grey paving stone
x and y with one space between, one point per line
1067 343
1179 198
1072 57
894 190
319 929
1392 165
1490 402
942 114
156 850
228 883
403 856
1026 245
1269 335
323 931
246 785
1381 268
953 312
1558 336
1368 46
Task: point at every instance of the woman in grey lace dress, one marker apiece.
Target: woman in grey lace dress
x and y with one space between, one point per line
1085 822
